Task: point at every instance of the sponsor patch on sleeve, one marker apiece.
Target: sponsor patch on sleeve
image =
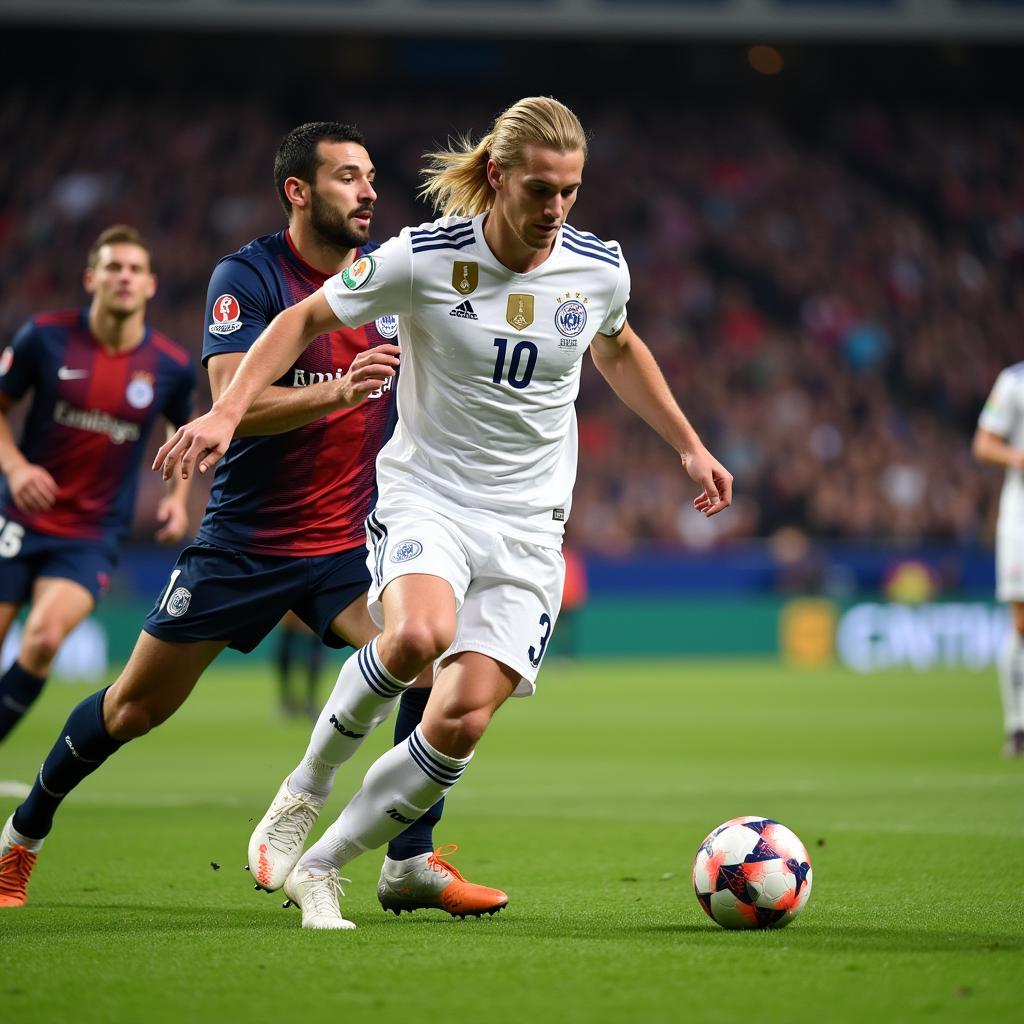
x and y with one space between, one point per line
226 315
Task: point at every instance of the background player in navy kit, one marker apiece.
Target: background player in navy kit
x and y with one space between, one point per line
284 525
100 377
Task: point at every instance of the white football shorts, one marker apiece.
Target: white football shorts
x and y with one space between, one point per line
507 591
1009 562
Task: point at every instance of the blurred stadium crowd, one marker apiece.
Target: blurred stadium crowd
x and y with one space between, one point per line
830 306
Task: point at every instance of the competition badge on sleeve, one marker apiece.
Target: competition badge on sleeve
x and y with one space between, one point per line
226 315
359 273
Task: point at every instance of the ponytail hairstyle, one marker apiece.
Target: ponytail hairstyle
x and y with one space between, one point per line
455 179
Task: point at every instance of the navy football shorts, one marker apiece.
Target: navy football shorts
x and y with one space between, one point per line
27 554
215 593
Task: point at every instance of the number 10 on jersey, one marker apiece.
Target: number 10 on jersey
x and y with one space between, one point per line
519 375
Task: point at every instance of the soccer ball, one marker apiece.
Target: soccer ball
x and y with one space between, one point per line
752 872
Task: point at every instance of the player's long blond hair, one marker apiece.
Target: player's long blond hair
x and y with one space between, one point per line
455 179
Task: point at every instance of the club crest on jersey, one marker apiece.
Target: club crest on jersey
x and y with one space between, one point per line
465 277
6 360
179 601
226 313
359 273
519 311
387 326
571 318
139 393
406 549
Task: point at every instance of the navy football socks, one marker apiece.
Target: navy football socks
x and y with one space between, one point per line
418 838
83 746
19 689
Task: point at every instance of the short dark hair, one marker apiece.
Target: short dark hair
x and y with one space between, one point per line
111 236
297 156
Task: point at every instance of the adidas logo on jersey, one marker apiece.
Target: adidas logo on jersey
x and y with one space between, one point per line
464 310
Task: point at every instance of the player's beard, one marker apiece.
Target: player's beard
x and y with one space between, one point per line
334 227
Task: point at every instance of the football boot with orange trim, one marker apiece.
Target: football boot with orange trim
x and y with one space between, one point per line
429 882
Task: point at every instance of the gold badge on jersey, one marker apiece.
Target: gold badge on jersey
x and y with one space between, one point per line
519 311
465 277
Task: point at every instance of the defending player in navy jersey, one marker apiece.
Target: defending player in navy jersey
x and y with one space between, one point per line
499 301
100 379
284 528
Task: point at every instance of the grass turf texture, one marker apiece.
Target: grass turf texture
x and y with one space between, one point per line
586 804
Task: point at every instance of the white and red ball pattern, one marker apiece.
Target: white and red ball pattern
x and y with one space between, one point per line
752 872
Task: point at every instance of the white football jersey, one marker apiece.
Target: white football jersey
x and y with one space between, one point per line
1003 414
490 368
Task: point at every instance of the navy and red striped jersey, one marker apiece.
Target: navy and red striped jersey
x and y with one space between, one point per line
90 417
307 491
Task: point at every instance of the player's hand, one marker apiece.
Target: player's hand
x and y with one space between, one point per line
32 488
714 479
203 441
368 372
172 513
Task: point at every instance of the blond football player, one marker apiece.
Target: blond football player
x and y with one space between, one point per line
499 299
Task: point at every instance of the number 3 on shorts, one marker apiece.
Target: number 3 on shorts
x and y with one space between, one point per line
537 654
11 535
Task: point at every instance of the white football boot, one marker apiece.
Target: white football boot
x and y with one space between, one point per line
277 841
316 894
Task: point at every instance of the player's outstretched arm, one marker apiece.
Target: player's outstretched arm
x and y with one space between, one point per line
280 409
204 441
628 366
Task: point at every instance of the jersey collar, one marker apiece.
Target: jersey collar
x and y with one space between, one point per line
485 249
318 277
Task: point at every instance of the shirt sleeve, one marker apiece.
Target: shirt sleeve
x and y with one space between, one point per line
377 284
238 308
999 413
19 362
616 318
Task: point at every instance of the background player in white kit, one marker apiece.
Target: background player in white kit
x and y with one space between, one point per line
499 301
999 440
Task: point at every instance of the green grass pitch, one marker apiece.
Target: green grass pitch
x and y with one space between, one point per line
586 804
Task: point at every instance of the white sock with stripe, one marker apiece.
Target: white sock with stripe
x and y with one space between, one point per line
399 787
363 697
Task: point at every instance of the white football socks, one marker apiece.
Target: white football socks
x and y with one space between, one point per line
363 697
399 787
1011 681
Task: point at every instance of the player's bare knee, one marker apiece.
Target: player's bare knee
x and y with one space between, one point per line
39 646
471 727
415 644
